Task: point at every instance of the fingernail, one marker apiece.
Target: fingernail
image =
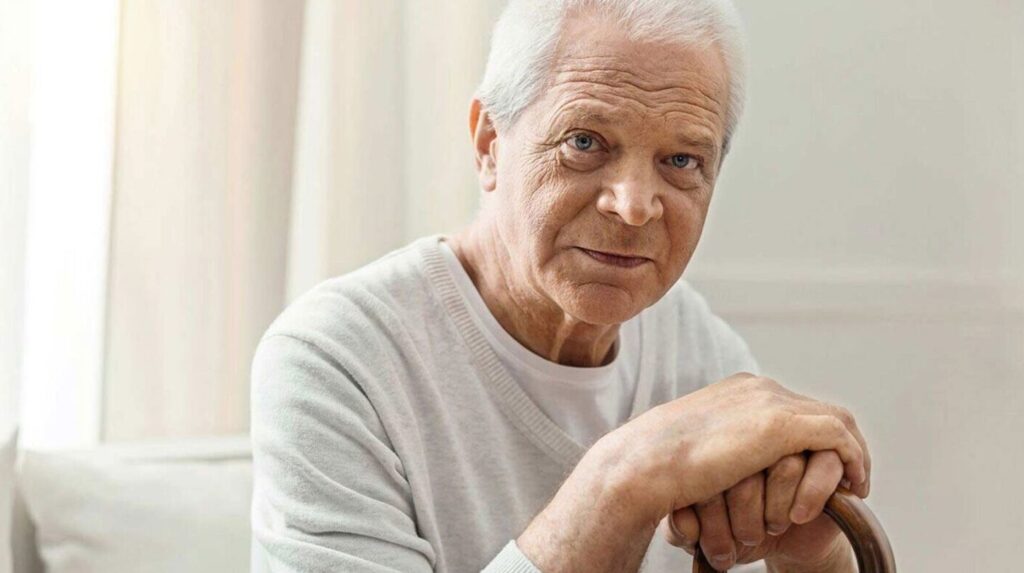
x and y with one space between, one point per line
776 530
845 483
800 514
750 543
721 559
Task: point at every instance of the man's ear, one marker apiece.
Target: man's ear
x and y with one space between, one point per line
485 145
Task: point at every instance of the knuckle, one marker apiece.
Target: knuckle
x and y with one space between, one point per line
745 492
769 389
766 397
831 462
675 540
837 428
845 416
815 492
789 468
684 525
711 503
740 380
749 536
755 383
773 423
739 498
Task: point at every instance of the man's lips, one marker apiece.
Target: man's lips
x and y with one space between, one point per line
625 261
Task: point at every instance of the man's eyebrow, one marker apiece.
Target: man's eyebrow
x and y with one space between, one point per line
703 141
582 115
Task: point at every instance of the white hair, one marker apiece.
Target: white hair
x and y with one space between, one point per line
526 36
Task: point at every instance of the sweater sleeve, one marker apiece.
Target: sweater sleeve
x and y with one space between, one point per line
329 491
511 560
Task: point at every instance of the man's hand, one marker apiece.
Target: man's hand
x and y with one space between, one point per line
774 515
674 456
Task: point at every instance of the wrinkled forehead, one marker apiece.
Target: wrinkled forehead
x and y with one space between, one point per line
598 70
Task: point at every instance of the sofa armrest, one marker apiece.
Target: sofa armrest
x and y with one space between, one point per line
23 537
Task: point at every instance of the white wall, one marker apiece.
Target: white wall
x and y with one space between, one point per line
867 240
1017 70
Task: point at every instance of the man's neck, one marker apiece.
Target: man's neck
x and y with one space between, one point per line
525 312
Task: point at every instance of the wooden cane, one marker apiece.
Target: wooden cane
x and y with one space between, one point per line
851 514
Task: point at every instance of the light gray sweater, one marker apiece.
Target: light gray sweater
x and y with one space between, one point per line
388 437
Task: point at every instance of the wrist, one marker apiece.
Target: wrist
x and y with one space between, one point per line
630 477
593 523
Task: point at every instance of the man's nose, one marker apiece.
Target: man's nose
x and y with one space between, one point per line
632 196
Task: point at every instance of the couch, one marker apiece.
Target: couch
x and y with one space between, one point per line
142 507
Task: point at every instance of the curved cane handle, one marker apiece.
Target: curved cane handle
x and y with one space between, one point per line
851 514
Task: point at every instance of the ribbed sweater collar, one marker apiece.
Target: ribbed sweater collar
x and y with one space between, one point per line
521 410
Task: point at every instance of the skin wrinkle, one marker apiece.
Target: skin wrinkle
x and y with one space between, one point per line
660 95
702 138
587 106
578 109
690 106
558 333
546 199
622 76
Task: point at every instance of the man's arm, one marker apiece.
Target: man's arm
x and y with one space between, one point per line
593 523
329 492
604 515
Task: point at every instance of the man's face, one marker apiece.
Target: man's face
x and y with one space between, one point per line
603 183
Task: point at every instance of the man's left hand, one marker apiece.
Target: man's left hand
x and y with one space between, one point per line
775 515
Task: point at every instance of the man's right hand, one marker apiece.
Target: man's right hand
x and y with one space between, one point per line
678 454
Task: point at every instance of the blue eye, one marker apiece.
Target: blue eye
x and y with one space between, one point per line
582 141
683 161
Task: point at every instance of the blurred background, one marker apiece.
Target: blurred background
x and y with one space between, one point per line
173 173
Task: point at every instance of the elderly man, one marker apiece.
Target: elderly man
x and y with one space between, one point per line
541 391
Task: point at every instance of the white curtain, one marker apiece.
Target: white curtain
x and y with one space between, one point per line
260 146
264 146
383 152
202 173
14 144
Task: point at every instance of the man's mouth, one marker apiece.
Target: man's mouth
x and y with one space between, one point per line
618 260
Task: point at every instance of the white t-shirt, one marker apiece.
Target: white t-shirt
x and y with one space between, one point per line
586 403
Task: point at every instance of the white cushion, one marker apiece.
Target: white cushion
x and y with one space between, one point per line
8 450
158 509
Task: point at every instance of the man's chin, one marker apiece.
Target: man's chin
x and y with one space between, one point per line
602 304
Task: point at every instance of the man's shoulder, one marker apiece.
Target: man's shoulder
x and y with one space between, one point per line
371 301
